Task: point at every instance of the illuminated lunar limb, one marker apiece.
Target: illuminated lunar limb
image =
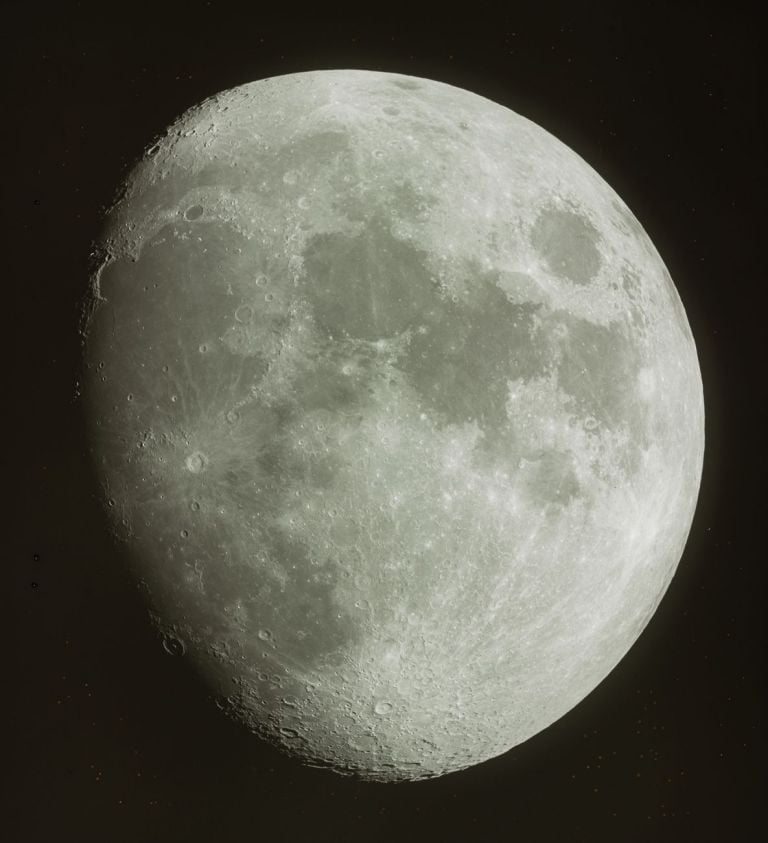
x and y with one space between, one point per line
399 413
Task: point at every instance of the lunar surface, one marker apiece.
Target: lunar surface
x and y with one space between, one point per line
396 413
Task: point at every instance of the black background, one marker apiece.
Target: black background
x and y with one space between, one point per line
111 739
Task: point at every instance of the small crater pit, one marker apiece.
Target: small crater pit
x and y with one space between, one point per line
196 462
244 314
173 646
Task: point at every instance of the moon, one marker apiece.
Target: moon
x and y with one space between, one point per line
396 413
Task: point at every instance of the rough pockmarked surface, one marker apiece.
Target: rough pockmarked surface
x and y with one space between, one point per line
398 412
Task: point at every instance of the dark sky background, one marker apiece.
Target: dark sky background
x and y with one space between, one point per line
110 738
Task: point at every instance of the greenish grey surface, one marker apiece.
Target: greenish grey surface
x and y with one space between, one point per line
397 412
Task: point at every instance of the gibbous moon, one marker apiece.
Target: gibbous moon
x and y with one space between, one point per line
396 412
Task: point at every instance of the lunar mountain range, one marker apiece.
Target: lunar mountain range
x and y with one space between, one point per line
396 413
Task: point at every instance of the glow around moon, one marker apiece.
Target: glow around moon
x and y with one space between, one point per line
396 411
